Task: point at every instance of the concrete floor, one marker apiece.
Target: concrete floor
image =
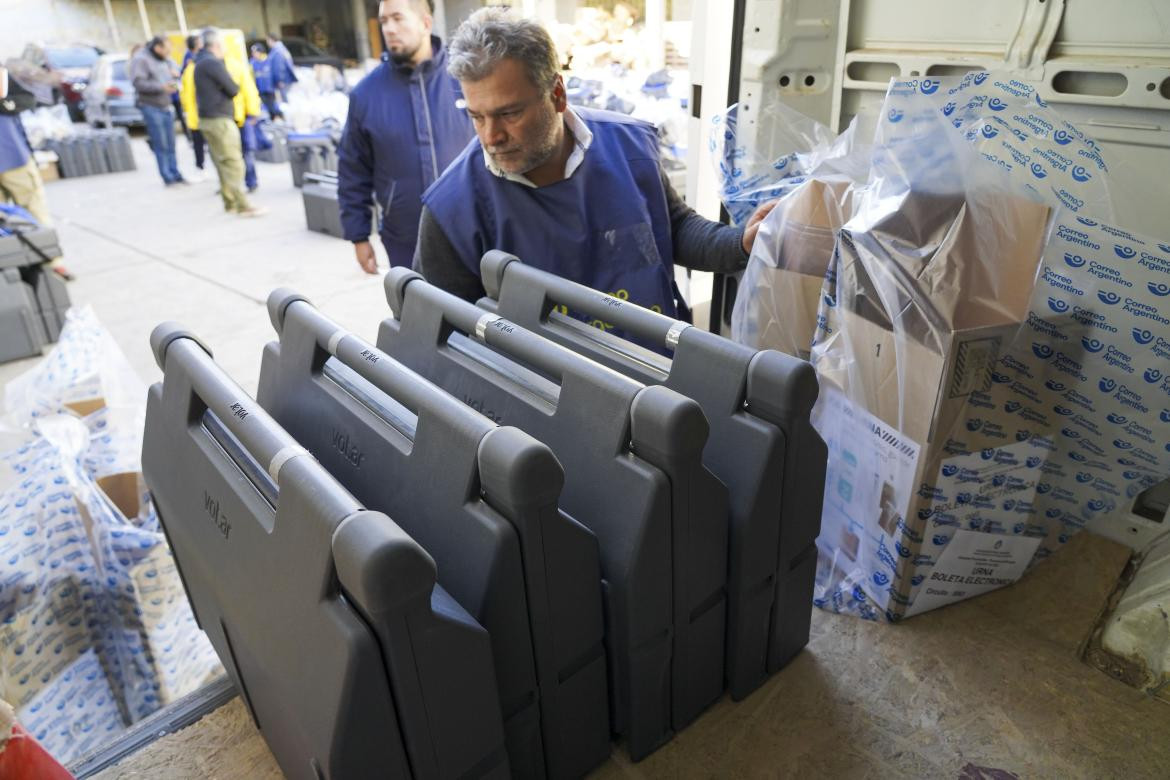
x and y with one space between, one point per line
144 253
992 685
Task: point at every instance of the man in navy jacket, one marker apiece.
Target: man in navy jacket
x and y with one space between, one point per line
406 124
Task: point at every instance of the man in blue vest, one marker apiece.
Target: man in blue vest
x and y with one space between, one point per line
404 127
576 192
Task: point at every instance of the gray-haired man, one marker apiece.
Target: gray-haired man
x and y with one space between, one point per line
576 192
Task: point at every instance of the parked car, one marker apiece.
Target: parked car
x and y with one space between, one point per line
110 98
306 55
72 64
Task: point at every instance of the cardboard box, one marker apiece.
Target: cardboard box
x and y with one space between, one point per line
906 350
778 298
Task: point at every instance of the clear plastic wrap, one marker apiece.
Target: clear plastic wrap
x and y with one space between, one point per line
95 628
986 342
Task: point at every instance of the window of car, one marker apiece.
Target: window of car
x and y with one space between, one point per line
119 71
71 56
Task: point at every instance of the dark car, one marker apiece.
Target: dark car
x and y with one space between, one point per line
110 98
306 55
71 64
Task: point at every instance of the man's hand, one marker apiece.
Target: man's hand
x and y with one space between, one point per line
366 258
753 224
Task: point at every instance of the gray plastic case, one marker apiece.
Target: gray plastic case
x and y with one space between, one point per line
310 155
351 660
488 515
633 475
758 405
322 212
22 331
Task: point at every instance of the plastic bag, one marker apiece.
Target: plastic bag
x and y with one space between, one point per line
95 628
973 357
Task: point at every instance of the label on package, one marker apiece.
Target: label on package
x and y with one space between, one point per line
974 563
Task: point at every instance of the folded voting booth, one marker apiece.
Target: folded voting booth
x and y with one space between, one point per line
482 500
351 659
633 475
762 445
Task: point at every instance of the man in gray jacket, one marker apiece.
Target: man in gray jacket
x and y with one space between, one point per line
155 81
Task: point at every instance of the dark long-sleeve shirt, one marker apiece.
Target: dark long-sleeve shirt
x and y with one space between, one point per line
699 244
214 87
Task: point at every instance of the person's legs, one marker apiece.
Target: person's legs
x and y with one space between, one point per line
198 143
156 128
223 138
168 135
24 187
248 149
273 108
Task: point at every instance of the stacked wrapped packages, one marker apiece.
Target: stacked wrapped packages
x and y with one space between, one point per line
991 346
95 629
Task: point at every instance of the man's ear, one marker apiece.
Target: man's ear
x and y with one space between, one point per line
559 96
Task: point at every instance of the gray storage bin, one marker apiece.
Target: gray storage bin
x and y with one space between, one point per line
762 446
633 476
22 333
322 212
310 153
488 515
277 135
352 661
52 297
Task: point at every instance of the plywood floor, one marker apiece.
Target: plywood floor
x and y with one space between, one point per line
990 688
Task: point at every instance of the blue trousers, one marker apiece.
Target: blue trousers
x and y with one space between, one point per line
160 127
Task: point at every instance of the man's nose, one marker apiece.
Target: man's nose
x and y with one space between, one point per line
494 129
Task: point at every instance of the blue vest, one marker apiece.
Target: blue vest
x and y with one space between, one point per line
262 72
607 226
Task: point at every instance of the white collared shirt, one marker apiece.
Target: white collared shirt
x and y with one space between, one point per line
582 138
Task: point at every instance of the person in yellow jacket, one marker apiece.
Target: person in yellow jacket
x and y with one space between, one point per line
246 105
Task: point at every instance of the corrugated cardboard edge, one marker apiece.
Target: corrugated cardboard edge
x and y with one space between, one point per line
7 721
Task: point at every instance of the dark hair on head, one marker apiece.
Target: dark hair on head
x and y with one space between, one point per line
157 40
192 41
273 36
260 47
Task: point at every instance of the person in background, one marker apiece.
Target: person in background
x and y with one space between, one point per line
215 91
283 73
154 81
579 193
194 45
262 72
20 180
404 127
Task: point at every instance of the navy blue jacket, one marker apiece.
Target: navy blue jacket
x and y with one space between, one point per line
404 128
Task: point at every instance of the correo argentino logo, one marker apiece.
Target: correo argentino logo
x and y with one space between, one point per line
928 86
1038 170
949 108
995 104
1087 222
1078 457
1084 476
1079 173
1073 261
989 132
1042 351
1158 288
895 115
1117 419
1092 345
1107 385
1124 252
1153 375
980 78
1062 137
1108 298
1142 336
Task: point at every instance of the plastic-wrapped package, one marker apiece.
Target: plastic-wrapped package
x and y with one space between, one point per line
986 341
95 628
978 348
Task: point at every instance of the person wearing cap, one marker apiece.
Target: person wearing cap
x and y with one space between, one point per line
405 125
577 192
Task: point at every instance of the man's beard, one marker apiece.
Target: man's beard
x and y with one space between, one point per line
540 154
403 57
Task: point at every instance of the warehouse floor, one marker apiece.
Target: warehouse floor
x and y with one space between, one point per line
989 688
